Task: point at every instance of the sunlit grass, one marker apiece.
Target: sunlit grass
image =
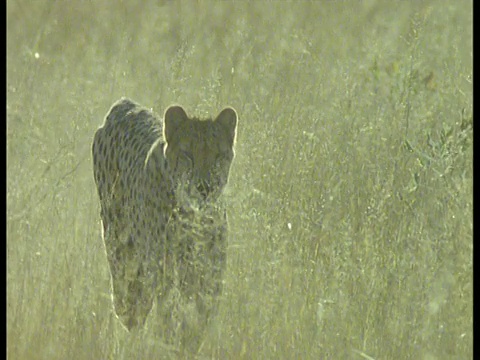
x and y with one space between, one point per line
350 197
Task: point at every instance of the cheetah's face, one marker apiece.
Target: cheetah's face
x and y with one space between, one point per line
199 152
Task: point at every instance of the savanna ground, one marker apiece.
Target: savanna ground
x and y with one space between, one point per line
350 195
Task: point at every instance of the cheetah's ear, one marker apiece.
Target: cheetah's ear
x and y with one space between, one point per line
174 116
228 120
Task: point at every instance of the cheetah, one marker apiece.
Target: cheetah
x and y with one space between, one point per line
164 222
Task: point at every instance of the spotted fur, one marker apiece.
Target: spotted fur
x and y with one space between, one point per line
164 221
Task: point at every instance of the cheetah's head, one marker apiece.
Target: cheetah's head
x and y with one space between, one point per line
199 152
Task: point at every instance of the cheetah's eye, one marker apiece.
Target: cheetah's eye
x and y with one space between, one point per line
186 158
220 161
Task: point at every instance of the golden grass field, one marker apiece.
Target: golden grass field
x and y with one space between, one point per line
350 197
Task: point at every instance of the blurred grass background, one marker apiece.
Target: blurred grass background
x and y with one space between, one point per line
350 195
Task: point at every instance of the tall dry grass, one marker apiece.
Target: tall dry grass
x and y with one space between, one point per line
350 196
